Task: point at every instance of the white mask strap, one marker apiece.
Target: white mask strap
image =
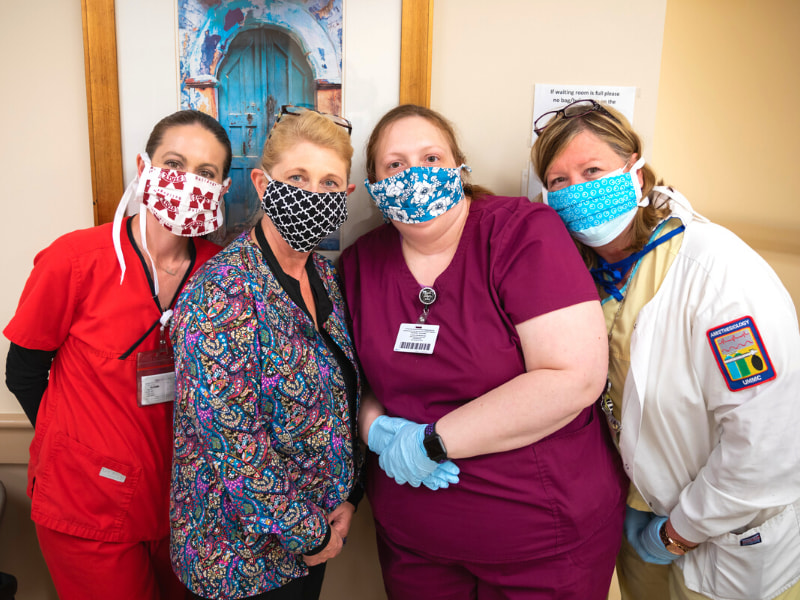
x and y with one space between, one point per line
165 317
634 171
135 190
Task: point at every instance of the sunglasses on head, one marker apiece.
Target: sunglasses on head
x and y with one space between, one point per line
575 109
296 111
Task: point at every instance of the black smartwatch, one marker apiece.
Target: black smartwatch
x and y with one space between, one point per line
434 446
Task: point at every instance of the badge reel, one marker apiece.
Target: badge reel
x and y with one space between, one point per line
419 337
607 405
155 371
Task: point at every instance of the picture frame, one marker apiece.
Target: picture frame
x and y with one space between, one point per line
102 89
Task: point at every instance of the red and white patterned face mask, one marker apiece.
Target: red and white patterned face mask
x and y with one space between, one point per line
184 203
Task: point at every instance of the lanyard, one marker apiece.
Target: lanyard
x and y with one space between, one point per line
165 315
608 275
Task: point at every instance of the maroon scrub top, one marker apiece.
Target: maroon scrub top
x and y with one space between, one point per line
515 261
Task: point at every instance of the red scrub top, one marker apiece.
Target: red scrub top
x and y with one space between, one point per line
515 261
99 464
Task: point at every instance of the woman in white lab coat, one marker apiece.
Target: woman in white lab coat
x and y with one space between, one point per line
704 371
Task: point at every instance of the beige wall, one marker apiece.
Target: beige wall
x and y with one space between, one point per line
727 127
46 191
727 124
487 57
45 149
726 76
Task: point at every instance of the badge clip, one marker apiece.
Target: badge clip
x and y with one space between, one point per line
155 371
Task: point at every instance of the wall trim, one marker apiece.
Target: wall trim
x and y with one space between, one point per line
16 434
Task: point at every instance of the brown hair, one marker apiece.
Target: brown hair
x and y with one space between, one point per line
615 131
308 126
412 110
191 117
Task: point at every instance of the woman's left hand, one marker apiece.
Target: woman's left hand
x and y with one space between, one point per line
331 549
341 517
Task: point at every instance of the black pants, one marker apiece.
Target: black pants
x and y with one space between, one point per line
304 588
8 586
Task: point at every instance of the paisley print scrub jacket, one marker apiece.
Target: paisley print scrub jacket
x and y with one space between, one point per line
263 446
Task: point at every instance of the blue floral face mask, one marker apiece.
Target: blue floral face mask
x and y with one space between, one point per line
417 194
596 212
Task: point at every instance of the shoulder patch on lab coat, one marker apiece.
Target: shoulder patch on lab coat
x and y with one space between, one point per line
740 354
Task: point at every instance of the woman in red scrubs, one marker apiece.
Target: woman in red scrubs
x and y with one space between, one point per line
90 364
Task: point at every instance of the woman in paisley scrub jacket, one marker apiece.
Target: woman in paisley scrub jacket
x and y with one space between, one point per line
264 480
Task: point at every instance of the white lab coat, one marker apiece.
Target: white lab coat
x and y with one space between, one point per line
725 466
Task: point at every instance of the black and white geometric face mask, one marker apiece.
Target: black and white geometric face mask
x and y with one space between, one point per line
303 218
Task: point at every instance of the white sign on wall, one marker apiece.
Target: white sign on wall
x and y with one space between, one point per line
548 96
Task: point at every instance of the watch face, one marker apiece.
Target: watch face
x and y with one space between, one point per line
435 448
671 545
675 549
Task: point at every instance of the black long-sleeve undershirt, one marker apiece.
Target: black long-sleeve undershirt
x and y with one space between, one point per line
27 376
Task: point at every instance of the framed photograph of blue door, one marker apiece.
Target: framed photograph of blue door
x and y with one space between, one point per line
264 69
240 61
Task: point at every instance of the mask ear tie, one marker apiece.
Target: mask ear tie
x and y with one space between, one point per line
634 171
135 192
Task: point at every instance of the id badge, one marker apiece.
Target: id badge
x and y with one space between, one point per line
155 375
416 338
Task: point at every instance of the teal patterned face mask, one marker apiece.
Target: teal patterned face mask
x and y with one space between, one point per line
417 194
596 212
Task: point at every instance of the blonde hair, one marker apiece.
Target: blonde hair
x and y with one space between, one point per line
308 126
615 131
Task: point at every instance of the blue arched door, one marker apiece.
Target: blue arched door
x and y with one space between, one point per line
263 70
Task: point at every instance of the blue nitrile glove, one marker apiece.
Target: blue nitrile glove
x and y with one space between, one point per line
406 461
636 523
652 544
445 474
382 431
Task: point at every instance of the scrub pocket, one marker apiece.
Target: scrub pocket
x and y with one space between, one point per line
759 563
582 474
83 493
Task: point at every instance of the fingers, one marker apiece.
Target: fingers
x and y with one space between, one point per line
341 518
446 473
635 521
449 470
331 549
405 460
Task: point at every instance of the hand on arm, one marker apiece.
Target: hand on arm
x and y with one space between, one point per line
398 443
406 461
566 359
